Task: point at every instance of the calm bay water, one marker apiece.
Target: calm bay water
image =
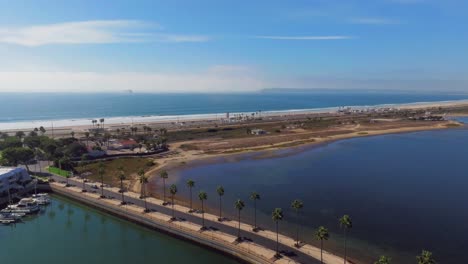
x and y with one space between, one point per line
17 107
70 233
405 192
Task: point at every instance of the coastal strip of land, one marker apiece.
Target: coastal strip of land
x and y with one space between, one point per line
255 247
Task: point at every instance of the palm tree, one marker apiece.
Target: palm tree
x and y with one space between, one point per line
254 196
220 191
67 176
202 196
101 172
383 260
277 216
87 137
321 234
102 122
425 258
346 224
42 129
297 205
140 173
122 178
143 182
83 174
190 184
72 134
239 204
164 175
173 191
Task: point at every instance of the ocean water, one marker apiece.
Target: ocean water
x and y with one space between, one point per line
68 232
404 192
26 110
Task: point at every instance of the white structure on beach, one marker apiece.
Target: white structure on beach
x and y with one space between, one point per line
13 178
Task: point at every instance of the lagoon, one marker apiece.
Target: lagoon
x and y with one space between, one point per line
405 192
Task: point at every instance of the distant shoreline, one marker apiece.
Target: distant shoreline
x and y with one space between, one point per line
83 123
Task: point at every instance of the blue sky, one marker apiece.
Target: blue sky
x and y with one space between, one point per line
230 46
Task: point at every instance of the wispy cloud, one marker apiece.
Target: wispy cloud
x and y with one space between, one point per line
374 21
91 32
305 37
408 1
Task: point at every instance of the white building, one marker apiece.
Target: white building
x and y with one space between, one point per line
13 178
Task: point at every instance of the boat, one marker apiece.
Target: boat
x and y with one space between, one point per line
6 221
41 198
11 216
25 205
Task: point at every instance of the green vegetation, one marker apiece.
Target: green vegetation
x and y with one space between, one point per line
220 191
190 185
239 205
277 216
131 165
254 196
383 260
173 191
58 171
425 258
297 206
203 196
164 175
346 224
321 234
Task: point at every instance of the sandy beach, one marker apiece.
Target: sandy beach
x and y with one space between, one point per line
64 126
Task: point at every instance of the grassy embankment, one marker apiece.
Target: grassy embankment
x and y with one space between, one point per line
131 167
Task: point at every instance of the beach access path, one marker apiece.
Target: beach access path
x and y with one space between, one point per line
264 240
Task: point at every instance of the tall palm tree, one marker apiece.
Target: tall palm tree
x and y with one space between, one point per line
383 260
173 191
297 205
102 122
164 175
239 204
277 216
203 196
425 258
321 234
346 224
190 184
83 174
122 178
143 182
67 176
87 137
141 173
220 191
101 172
72 134
254 197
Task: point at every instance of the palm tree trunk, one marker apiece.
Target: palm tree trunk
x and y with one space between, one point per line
102 186
203 215
255 214
344 246
220 208
321 251
144 197
238 231
297 228
190 198
164 188
173 206
277 239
